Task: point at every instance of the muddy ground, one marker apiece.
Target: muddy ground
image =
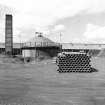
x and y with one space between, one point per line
41 84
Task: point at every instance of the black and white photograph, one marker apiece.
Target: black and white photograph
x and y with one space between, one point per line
52 52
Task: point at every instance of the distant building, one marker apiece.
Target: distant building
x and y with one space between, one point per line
16 48
80 46
92 49
42 46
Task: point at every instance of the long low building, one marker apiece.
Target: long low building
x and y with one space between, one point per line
92 49
50 46
82 46
16 48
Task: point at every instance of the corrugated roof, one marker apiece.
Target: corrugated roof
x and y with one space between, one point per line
40 41
40 38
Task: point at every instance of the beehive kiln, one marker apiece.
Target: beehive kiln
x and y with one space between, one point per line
73 62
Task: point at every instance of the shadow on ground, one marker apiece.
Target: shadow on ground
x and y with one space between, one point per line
94 70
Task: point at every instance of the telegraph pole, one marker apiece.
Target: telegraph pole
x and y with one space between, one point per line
60 37
20 42
60 42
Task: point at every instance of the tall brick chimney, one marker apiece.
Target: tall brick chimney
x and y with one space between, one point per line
8 35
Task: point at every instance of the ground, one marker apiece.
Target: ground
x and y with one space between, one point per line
41 84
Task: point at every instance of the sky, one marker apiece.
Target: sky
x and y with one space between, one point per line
66 21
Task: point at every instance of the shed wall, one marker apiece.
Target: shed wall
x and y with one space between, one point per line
34 53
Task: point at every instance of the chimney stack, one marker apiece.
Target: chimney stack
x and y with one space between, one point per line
8 35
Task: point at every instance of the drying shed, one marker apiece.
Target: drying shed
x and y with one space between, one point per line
40 47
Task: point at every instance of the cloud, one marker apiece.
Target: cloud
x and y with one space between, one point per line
59 28
95 33
3 10
43 13
44 30
46 12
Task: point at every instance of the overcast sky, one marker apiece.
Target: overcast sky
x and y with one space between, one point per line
77 20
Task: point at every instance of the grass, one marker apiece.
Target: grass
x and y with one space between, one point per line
41 84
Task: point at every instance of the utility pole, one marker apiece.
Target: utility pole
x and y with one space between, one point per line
35 46
60 42
60 37
20 42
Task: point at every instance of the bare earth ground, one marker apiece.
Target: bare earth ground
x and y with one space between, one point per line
41 84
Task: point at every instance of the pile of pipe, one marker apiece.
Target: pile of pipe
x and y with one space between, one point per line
73 62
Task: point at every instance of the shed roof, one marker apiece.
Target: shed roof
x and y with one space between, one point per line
40 41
